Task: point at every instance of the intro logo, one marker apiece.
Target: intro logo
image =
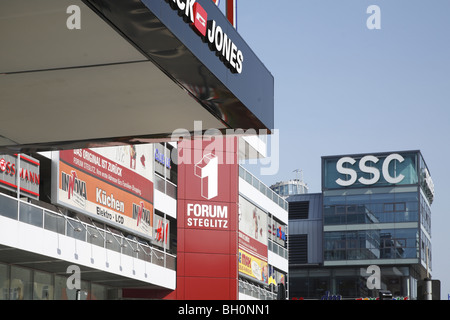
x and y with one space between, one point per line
200 19
207 170
6 166
141 214
75 188
2 164
162 231
73 185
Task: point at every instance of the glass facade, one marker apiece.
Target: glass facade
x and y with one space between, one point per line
375 211
377 207
350 282
371 244
18 283
383 205
385 220
386 224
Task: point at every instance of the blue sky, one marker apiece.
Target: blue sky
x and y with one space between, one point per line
342 88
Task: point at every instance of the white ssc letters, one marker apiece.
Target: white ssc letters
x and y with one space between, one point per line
367 169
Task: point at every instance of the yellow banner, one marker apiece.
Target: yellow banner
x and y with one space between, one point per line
252 266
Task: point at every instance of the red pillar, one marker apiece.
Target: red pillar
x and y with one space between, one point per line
207 240
231 12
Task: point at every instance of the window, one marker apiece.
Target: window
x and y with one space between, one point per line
99 292
341 210
394 207
371 244
43 286
371 208
4 283
20 284
298 210
166 169
298 249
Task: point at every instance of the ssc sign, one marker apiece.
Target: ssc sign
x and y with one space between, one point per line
367 165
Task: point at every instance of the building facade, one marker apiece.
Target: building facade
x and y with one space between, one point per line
97 204
262 211
374 213
128 223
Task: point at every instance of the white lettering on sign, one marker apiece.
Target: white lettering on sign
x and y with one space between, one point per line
365 168
220 42
207 210
109 200
207 215
210 32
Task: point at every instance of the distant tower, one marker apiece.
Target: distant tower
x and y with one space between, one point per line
291 187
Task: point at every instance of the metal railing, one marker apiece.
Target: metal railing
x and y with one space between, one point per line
35 215
256 183
254 291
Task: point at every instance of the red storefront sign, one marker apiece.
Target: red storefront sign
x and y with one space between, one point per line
28 173
207 222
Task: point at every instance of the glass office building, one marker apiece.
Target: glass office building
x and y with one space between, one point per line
375 211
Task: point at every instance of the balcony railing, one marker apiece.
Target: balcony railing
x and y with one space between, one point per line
277 249
255 182
43 218
255 291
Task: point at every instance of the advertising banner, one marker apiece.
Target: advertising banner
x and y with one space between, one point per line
253 267
28 170
111 184
252 240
